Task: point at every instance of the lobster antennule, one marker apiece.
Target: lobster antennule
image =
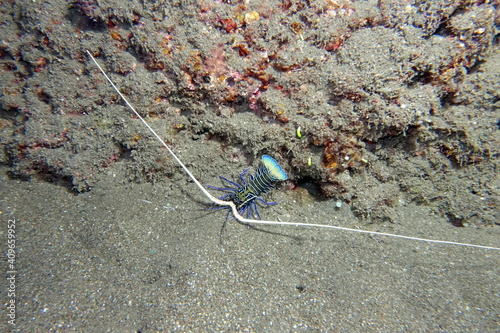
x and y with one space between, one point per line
274 168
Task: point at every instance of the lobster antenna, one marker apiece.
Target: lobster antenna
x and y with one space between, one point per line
233 206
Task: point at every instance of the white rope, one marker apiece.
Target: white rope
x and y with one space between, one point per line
251 221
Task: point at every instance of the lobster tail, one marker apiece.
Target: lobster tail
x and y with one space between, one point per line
273 168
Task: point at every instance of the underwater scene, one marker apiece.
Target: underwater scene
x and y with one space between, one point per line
328 128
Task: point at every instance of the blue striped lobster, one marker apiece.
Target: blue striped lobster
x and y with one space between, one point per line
263 181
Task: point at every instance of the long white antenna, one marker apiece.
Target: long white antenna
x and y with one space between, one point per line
244 220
